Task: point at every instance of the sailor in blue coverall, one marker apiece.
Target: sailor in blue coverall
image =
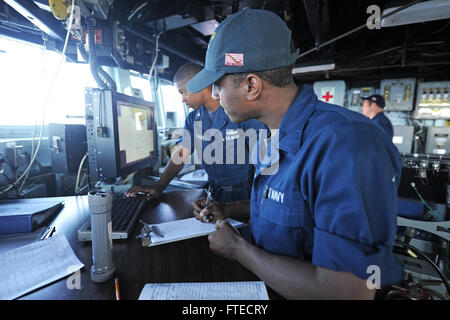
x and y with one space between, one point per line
372 107
322 205
229 181
229 173
323 211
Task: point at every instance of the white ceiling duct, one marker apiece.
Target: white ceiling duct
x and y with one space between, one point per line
420 12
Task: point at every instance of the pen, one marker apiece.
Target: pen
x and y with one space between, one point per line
116 285
235 229
208 200
48 232
208 196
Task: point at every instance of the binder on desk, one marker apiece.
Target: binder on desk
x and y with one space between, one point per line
27 215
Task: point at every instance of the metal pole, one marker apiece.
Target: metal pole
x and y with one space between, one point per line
320 46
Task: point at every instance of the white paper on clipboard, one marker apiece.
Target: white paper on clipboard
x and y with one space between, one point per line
185 229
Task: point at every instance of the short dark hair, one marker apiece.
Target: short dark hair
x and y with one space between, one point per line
279 77
187 71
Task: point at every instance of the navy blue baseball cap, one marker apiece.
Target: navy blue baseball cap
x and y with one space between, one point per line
247 41
377 99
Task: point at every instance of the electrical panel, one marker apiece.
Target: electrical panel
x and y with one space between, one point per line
354 96
330 91
403 138
398 93
432 100
68 146
438 140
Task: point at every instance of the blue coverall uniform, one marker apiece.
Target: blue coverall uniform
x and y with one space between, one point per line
333 199
230 180
383 121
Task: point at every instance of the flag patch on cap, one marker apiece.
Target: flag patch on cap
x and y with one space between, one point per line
234 59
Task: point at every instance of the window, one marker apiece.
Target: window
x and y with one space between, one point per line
27 73
173 106
143 84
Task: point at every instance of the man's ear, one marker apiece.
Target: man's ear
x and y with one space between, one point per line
253 87
206 94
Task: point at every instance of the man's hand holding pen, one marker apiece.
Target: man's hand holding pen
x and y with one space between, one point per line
225 239
209 213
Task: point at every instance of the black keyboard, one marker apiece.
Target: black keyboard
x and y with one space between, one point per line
124 214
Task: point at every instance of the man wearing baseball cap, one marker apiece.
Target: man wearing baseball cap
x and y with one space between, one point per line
320 227
372 107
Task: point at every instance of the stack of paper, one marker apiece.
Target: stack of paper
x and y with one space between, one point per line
241 290
35 265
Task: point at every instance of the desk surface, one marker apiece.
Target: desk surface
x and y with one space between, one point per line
183 261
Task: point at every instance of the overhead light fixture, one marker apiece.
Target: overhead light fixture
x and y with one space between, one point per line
420 12
314 68
207 27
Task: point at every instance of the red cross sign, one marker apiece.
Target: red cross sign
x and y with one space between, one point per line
327 97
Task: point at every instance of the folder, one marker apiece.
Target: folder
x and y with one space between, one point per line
27 215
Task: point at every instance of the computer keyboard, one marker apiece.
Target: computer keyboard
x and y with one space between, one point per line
124 213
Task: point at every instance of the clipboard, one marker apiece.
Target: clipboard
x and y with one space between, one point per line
178 230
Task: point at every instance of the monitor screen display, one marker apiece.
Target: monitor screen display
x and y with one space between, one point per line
136 130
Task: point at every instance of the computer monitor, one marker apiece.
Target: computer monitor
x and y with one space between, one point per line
121 134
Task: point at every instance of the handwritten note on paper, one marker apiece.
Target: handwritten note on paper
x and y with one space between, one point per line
240 290
35 265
